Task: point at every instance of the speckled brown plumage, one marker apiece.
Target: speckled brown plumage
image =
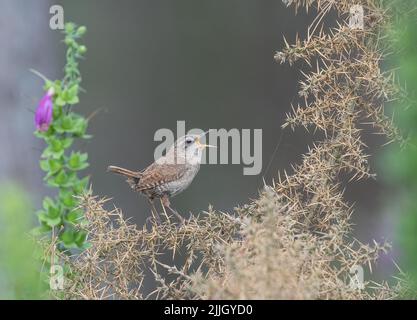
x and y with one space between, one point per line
170 174
158 180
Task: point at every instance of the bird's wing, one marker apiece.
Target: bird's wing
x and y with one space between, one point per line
160 173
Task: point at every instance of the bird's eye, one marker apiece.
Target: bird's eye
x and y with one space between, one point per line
188 141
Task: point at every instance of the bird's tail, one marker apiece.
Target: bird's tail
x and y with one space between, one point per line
124 172
133 177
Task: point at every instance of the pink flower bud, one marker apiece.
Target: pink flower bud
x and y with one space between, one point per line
43 115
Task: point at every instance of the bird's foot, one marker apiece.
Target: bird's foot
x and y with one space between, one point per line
175 212
166 204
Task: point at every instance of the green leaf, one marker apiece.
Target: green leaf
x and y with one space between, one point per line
48 203
78 161
57 113
44 164
67 198
59 101
69 95
73 90
55 148
80 127
67 142
81 30
40 134
81 186
53 212
86 245
61 178
67 123
55 145
57 86
54 165
48 153
83 157
80 237
69 27
44 217
74 216
64 124
74 161
73 100
72 95
67 237
53 222
40 230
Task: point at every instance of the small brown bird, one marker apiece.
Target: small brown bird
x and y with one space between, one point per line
168 175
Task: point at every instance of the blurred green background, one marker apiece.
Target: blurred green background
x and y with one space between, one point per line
151 63
401 163
19 266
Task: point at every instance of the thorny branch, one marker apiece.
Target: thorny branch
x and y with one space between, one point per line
295 240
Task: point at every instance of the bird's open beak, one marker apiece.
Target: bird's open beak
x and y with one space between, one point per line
201 145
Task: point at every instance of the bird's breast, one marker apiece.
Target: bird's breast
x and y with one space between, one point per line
174 187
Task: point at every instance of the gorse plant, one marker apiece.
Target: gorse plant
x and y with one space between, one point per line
295 240
59 126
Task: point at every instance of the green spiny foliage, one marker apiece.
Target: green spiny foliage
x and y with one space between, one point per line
60 216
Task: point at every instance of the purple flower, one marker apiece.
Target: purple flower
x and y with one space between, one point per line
43 115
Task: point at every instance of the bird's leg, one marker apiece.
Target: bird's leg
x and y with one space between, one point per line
177 214
165 203
155 213
163 208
